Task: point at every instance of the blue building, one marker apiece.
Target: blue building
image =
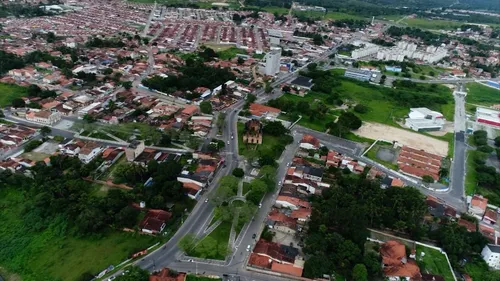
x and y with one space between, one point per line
393 68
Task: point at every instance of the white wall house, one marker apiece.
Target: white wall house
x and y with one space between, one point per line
491 255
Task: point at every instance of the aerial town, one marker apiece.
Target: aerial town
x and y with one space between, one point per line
249 140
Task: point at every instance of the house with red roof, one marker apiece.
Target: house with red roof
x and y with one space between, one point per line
490 217
309 142
396 263
262 111
478 204
167 275
154 221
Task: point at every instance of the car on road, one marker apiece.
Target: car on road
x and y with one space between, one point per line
248 248
232 137
206 200
111 278
260 205
228 142
279 183
288 164
254 235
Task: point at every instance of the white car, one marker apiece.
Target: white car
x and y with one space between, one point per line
248 248
206 200
260 205
279 183
228 142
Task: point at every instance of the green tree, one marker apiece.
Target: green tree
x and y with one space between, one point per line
127 85
107 71
32 145
427 179
359 273
187 243
497 141
238 172
18 102
251 98
360 108
206 107
45 130
51 37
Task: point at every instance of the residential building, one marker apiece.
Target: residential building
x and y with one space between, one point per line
309 142
262 111
396 264
272 66
491 255
424 119
418 163
358 74
167 275
89 151
291 203
43 117
303 82
134 149
490 216
477 204
155 221
253 132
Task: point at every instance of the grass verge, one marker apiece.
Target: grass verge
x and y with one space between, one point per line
434 262
215 245
482 95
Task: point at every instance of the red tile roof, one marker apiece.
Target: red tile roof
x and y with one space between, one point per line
479 201
259 109
164 275
396 262
260 261
471 227
287 269
154 220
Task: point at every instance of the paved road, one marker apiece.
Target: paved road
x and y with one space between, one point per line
457 170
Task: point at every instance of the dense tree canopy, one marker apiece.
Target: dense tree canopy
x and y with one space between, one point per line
338 227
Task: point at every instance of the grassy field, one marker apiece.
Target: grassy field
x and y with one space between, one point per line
482 95
476 268
8 92
214 246
51 252
230 53
328 15
470 173
434 262
372 154
273 9
432 24
35 156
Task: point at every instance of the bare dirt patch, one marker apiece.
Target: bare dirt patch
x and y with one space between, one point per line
415 140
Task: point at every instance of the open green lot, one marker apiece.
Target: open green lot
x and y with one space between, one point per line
471 180
8 92
432 24
434 262
482 95
328 15
230 53
215 245
52 254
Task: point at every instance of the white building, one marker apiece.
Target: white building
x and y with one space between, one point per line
491 255
368 50
89 152
273 62
487 119
424 119
430 54
43 117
